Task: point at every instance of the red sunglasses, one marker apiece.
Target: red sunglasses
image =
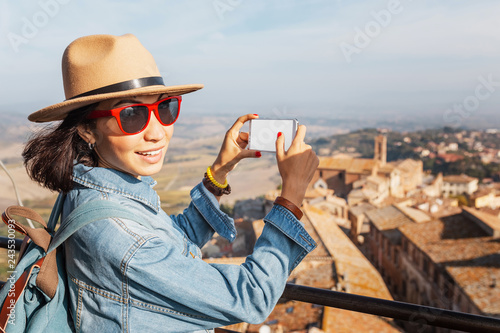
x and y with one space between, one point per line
133 119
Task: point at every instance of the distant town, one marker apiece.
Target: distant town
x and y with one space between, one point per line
412 217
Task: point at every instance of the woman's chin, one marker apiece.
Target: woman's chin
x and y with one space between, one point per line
148 169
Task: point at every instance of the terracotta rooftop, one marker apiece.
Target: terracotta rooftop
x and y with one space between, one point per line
492 211
387 218
390 200
448 157
416 215
361 209
487 222
408 165
334 163
471 257
482 193
360 276
360 165
377 180
338 320
458 179
351 165
386 168
318 192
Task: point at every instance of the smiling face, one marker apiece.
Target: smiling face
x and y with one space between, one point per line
140 154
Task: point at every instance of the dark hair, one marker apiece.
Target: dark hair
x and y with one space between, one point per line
49 155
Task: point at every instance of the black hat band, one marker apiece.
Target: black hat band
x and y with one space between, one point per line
125 85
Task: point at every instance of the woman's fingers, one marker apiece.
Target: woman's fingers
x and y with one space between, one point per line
301 134
249 154
242 139
238 124
233 148
297 142
296 166
280 146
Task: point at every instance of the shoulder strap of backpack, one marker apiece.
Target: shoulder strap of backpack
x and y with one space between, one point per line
89 212
56 212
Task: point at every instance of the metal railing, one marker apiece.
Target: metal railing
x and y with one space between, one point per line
375 306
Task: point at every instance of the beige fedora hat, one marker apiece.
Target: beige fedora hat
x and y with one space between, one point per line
100 67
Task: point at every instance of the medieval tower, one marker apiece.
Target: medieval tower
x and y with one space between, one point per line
380 149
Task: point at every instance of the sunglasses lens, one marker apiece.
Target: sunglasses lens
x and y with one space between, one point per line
168 111
134 118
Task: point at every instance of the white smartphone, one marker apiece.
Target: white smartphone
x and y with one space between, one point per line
264 132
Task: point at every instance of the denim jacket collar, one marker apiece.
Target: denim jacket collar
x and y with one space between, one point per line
114 181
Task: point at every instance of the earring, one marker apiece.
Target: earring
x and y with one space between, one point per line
91 146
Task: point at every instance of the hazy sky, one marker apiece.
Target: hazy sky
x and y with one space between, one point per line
275 57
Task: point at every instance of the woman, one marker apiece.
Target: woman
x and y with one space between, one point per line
125 276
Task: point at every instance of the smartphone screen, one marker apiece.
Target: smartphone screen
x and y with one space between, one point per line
264 132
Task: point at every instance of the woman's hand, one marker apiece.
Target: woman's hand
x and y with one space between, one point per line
296 166
233 149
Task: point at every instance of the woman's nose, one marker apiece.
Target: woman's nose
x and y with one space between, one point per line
155 130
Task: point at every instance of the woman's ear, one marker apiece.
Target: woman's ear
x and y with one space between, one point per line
86 133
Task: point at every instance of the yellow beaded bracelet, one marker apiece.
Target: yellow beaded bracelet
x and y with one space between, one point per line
212 179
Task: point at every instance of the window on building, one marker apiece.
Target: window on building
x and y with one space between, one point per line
396 257
425 265
320 173
403 289
436 275
448 288
415 255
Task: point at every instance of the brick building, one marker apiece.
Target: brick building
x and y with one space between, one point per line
373 178
452 262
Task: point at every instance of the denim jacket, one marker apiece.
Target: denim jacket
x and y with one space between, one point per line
125 277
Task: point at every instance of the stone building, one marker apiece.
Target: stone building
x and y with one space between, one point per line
488 197
459 184
435 188
339 174
373 178
451 262
360 225
404 176
384 245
